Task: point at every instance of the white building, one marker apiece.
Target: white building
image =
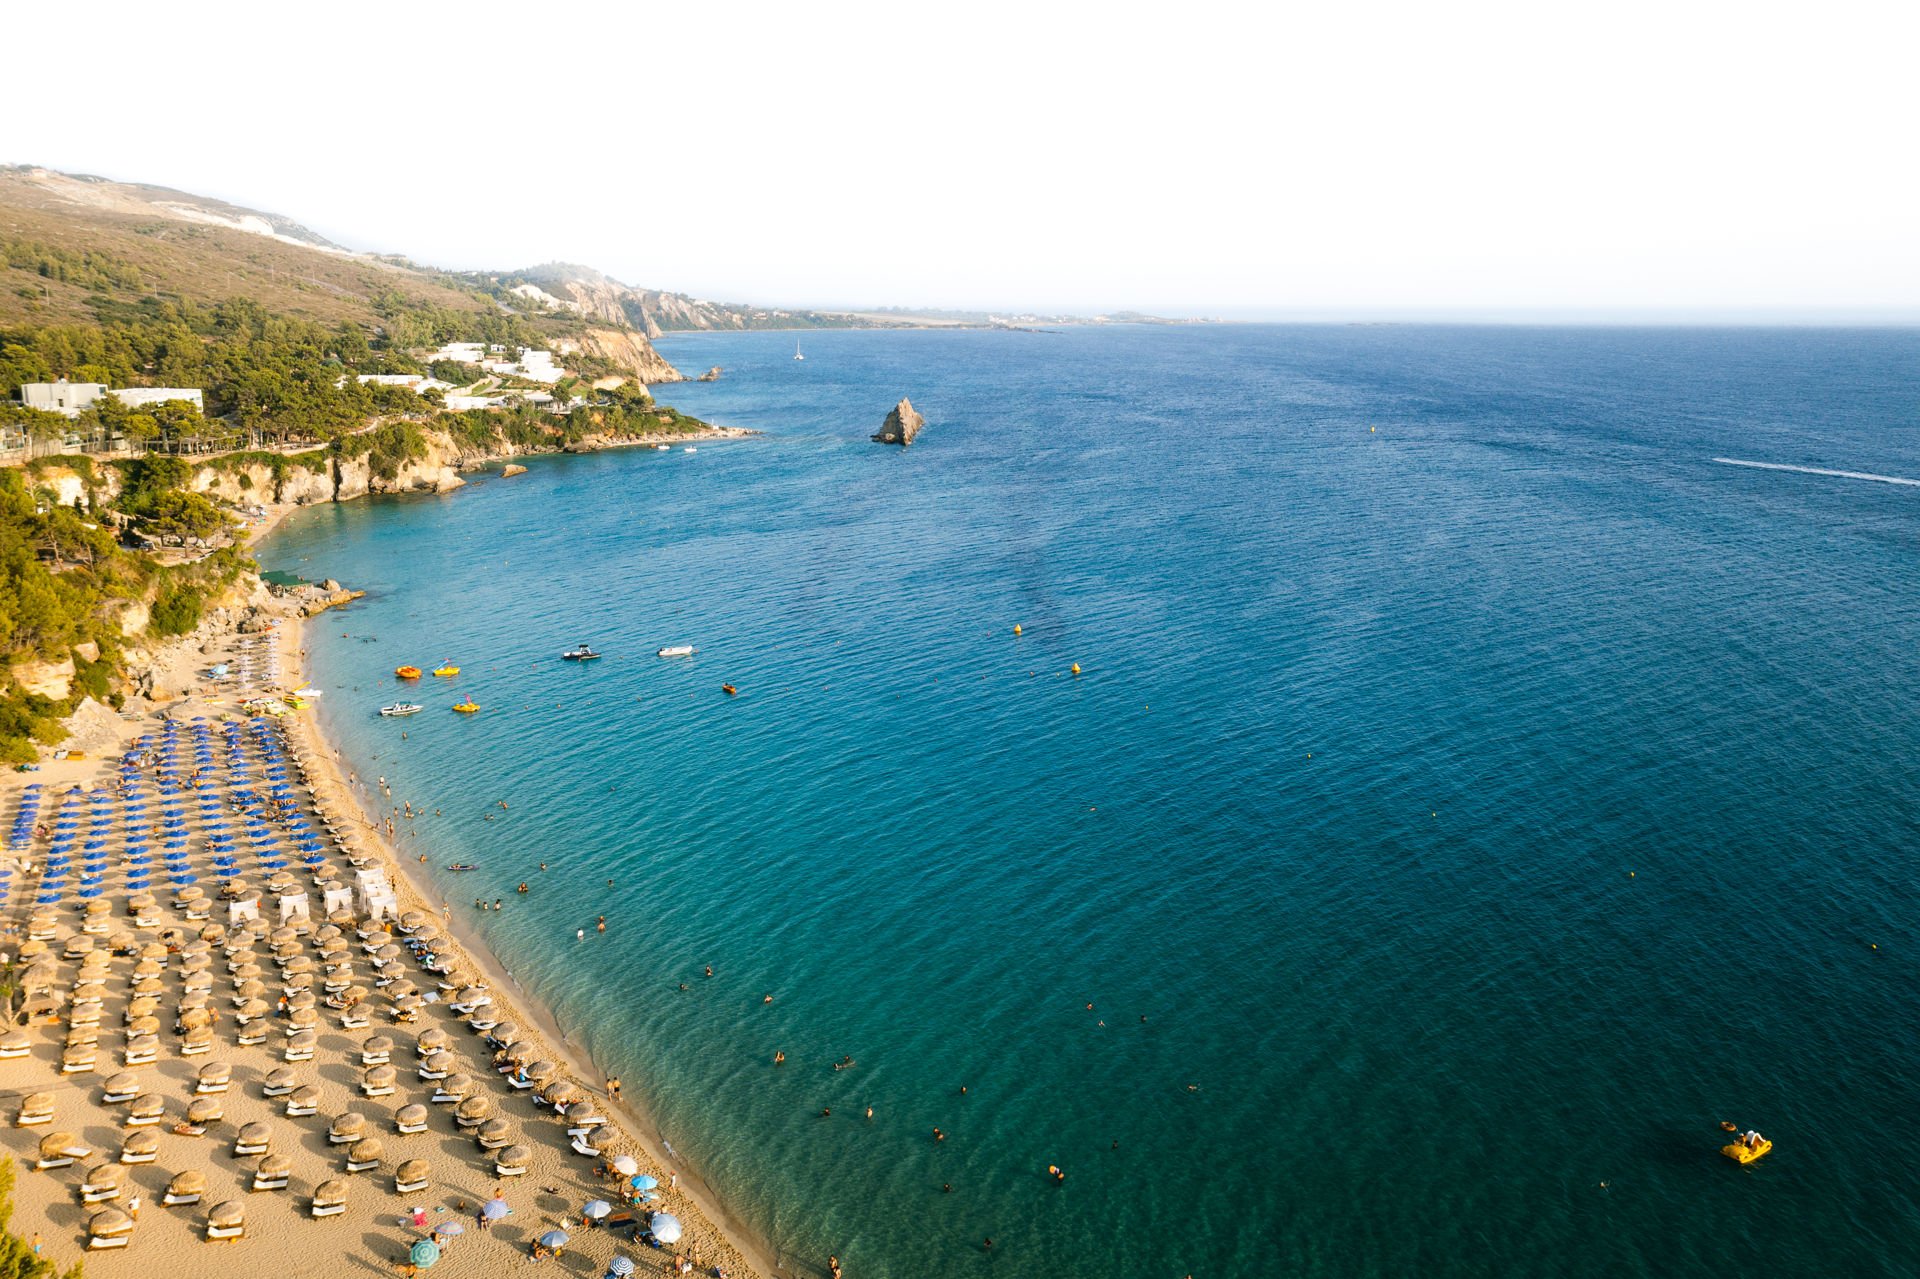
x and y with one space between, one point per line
463 403
70 399
418 383
464 352
534 366
135 395
66 398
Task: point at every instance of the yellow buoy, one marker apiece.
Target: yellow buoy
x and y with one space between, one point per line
1016 628
1371 430
1076 668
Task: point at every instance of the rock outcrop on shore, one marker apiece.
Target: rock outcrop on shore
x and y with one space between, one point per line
512 469
711 375
902 424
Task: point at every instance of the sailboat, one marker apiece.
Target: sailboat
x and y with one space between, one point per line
796 350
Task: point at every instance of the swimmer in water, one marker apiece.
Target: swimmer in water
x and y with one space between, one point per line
779 1058
825 1111
766 999
709 970
602 926
938 1135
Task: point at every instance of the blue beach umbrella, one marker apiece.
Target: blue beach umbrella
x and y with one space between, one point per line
620 1267
495 1209
424 1254
643 1182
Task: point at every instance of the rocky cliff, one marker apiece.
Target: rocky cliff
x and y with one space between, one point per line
630 351
902 424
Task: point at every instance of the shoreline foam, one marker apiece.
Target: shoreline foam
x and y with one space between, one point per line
325 758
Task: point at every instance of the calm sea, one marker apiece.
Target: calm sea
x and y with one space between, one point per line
1471 795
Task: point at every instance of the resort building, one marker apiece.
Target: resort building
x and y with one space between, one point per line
66 398
71 399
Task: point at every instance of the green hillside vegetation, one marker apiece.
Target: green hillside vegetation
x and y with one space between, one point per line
62 574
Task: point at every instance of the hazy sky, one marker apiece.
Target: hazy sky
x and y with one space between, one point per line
1197 157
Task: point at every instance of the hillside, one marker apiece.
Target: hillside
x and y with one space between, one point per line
90 251
584 291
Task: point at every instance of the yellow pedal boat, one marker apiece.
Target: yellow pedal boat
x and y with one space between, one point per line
1741 1153
467 707
407 672
448 669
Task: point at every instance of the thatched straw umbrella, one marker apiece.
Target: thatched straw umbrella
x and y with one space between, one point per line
109 1228
364 1154
103 1182
329 1198
410 1118
348 1128
473 1112
512 1161
140 1146
280 1081
186 1187
494 1134
375 1050
411 1176
272 1173
205 1110
455 1088
254 1139
60 1148
146 1111
215 1076
431 1041
226 1221
124 1086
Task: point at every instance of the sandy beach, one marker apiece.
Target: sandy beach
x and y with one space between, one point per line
376 1230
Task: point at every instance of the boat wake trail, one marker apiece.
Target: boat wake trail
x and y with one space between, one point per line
1819 470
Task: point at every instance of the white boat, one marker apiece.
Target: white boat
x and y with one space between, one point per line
308 691
400 708
580 653
663 448
689 449
677 650
796 351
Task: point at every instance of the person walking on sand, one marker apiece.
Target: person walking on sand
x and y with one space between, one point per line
133 1206
613 1087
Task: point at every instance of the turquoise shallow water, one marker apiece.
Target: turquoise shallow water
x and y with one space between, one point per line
1477 808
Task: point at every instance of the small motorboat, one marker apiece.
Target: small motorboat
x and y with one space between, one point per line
689 449
677 650
446 669
663 448
461 866
581 653
728 689
467 707
401 708
308 691
407 672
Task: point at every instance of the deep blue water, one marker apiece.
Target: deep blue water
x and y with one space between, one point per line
1478 791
